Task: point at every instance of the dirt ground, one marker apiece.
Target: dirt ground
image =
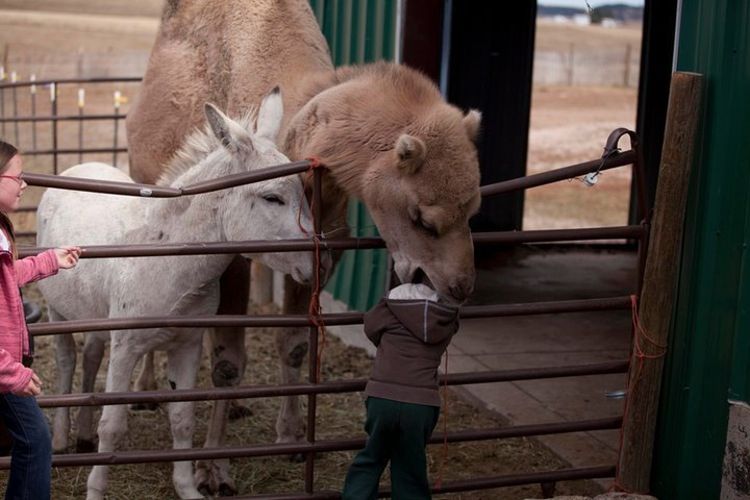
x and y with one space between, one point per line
339 416
568 125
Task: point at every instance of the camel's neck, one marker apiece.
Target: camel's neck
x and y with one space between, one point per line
336 128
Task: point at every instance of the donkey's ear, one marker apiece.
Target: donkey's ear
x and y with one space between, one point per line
229 132
270 114
410 151
472 122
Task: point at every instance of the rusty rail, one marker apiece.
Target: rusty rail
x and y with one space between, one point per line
299 245
612 158
333 387
330 319
261 450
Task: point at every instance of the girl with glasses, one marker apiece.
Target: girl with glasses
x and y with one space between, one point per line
31 454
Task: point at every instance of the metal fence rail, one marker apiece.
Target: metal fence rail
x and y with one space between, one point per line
611 158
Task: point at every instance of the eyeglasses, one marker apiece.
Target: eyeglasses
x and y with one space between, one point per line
18 178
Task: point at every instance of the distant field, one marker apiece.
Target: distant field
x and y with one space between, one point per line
148 8
557 36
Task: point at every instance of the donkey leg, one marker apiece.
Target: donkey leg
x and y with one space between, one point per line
113 423
182 370
93 352
292 346
213 476
145 381
227 347
65 357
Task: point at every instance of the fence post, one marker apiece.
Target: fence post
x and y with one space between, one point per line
659 284
313 352
53 109
626 72
2 98
571 63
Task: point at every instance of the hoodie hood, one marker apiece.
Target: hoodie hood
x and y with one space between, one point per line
428 321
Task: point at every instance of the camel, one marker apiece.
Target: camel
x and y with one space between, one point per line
383 132
178 285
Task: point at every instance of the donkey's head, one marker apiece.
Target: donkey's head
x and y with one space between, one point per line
421 195
268 210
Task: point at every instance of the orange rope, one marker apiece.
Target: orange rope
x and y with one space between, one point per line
640 339
314 311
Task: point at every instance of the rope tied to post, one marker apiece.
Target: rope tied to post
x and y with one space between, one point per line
314 311
641 339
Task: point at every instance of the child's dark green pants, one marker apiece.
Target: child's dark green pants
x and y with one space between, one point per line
397 432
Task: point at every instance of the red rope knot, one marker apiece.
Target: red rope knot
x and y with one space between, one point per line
315 162
640 339
314 311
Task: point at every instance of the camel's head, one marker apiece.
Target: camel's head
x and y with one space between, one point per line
421 195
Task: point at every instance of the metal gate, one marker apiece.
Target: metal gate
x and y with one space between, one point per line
312 446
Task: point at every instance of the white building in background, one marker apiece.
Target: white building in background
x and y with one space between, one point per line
582 19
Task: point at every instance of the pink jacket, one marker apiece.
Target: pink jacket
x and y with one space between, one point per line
14 338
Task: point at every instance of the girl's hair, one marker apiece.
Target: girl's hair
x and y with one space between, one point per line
7 151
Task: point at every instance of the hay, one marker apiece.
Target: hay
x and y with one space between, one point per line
339 416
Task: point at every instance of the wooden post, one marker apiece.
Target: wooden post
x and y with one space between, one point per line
659 283
626 71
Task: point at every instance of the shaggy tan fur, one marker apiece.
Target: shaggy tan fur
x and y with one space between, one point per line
383 132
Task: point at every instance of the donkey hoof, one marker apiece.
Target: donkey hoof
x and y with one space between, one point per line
85 446
297 458
238 411
144 406
205 490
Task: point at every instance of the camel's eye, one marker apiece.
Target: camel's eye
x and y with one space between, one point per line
426 227
275 199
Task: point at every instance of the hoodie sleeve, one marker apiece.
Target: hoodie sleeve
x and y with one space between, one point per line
13 375
36 267
376 322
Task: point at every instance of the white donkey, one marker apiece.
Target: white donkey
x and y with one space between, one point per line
183 285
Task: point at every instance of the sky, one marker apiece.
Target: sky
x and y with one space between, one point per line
582 3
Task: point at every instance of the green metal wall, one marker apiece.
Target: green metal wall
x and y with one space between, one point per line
359 31
709 356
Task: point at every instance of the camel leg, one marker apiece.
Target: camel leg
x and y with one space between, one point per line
292 346
227 346
182 370
65 357
114 420
93 352
261 286
145 381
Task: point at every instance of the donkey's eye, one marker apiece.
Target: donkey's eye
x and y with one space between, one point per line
272 198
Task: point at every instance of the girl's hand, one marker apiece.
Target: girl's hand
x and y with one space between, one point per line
33 388
67 257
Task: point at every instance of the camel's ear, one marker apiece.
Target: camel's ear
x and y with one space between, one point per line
270 114
411 152
230 133
472 122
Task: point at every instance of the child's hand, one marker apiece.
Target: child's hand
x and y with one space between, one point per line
67 257
33 388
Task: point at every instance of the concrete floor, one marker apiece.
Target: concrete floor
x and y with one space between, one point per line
545 341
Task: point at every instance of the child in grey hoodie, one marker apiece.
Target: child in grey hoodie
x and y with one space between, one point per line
411 331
